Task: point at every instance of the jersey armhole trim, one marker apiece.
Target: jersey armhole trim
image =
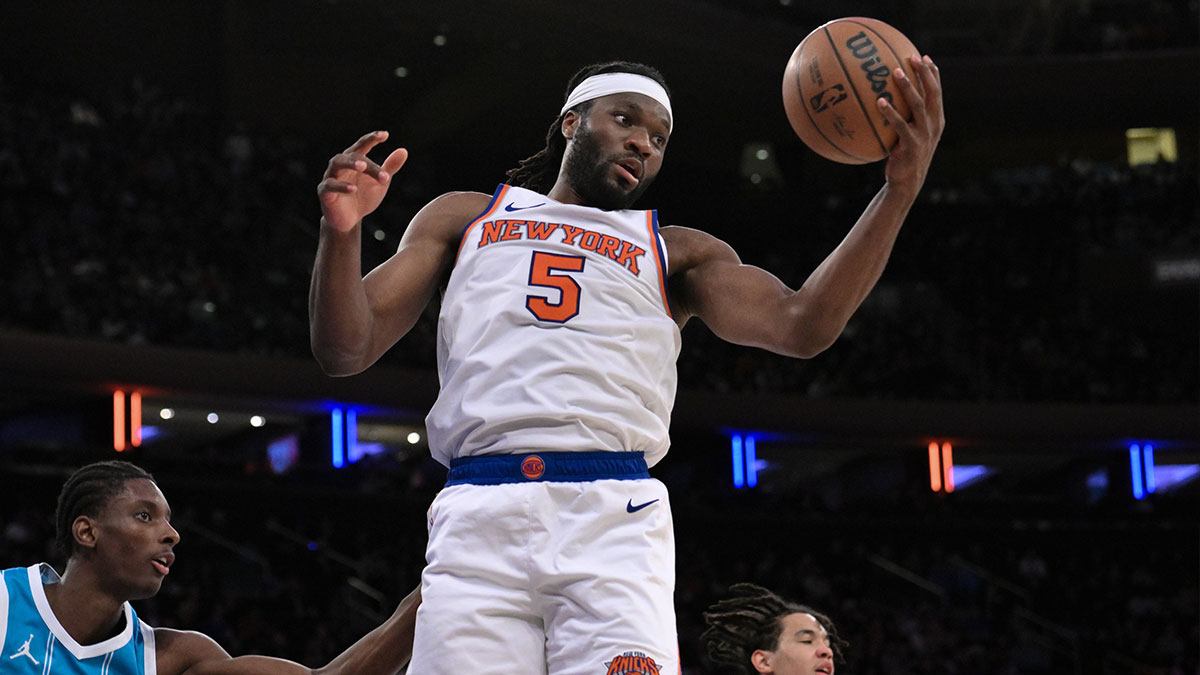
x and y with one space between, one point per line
150 656
3 608
660 258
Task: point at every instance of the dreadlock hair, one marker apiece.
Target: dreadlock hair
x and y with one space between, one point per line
751 620
539 171
86 492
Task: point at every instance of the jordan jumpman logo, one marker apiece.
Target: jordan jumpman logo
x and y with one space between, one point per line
24 651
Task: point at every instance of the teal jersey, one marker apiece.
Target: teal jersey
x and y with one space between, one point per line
33 642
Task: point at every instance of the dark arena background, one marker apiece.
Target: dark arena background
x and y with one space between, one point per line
994 470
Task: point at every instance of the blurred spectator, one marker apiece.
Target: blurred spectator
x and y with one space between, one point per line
145 219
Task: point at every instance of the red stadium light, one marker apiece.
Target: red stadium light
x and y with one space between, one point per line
119 421
135 419
941 467
935 468
948 467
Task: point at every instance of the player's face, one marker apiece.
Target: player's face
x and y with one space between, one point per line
803 649
134 539
617 150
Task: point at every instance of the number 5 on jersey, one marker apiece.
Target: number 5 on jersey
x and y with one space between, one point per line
542 272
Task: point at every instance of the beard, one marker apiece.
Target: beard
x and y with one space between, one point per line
587 173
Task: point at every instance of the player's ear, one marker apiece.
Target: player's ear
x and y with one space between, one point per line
83 530
761 659
570 123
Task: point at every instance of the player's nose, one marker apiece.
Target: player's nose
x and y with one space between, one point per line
639 141
171 535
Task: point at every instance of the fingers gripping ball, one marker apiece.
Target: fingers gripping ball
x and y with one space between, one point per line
831 84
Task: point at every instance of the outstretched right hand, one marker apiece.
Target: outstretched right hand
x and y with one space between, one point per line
353 185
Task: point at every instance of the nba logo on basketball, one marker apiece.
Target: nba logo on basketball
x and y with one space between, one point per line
632 663
533 467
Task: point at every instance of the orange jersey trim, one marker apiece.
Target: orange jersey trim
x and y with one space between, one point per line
496 200
652 228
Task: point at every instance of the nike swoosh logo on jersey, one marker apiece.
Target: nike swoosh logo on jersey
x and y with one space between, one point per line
510 208
634 509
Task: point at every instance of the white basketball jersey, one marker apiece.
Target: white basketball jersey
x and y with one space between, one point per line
555 333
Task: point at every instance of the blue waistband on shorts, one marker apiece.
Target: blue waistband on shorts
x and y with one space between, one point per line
563 467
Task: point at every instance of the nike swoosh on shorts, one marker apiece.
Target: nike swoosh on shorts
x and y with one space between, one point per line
634 509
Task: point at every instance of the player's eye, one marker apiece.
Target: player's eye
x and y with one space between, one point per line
143 515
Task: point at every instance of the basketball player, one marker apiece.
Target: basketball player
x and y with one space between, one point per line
551 549
757 631
114 525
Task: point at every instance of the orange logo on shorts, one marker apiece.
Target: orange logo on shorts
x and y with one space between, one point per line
632 663
533 467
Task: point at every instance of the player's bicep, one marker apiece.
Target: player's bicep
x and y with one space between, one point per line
179 652
249 665
191 653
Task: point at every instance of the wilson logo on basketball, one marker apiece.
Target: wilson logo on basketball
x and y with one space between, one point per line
877 71
533 467
632 663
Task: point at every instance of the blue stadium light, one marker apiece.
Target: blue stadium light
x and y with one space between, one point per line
352 435
967 474
339 449
282 453
1170 476
739 470
751 463
1135 469
1148 462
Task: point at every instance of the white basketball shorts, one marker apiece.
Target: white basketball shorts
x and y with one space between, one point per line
551 563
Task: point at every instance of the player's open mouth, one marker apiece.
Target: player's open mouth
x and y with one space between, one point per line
163 563
630 171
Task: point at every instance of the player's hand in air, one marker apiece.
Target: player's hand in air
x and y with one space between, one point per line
354 185
909 160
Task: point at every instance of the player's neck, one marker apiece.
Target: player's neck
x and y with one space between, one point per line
563 193
86 612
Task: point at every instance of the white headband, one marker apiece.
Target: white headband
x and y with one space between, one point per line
619 83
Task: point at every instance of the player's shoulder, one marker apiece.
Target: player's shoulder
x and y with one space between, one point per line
445 217
176 651
688 247
463 204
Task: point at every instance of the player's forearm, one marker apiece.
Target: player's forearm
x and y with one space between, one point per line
835 290
384 650
338 312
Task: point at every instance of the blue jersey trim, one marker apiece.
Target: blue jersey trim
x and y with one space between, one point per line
662 256
540 467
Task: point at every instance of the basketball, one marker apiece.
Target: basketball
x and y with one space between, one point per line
832 81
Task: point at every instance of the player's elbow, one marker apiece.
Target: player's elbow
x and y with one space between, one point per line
336 362
807 347
808 334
